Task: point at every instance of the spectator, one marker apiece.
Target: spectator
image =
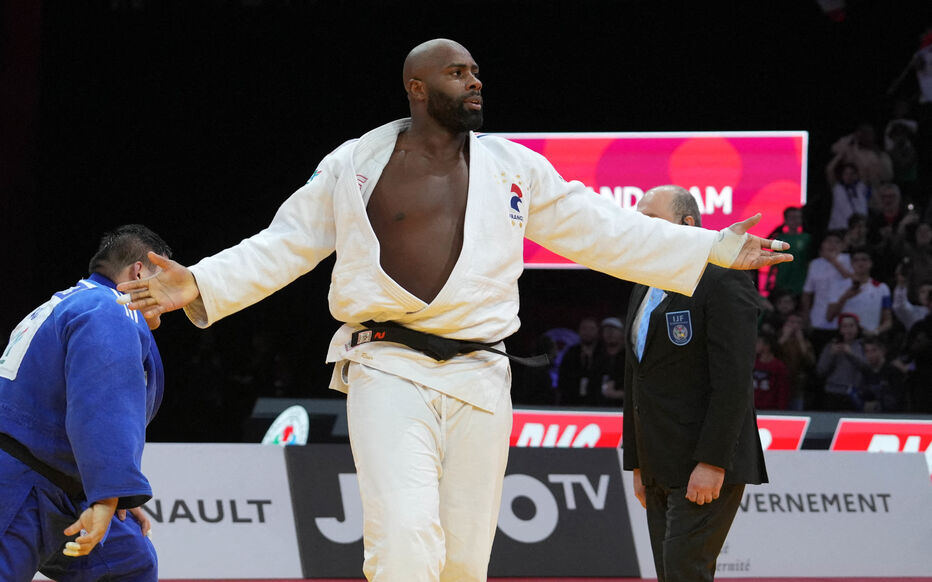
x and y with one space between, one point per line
883 222
888 229
830 267
883 385
849 195
796 351
860 148
778 306
856 234
611 363
771 382
921 62
840 365
900 143
578 365
863 296
906 312
536 385
918 249
791 276
919 354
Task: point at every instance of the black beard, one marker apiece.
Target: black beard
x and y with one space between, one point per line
451 113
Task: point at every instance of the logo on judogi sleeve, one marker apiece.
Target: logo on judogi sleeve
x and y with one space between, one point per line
679 327
516 203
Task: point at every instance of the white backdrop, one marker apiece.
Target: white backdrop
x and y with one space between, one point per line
835 533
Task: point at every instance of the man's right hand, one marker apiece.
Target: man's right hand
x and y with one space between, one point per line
92 524
171 288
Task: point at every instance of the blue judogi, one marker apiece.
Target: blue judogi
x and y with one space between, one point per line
79 381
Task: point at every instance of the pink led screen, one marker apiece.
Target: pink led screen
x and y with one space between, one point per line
733 174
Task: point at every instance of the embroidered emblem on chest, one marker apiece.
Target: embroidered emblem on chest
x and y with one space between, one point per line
679 327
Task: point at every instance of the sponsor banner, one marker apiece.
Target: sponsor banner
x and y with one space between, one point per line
328 509
563 514
733 175
836 515
878 435
555 504
221 511
566 428
579 429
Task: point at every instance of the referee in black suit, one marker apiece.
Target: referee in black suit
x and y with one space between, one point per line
690 432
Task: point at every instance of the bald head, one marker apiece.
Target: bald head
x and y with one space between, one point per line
672 203
430 56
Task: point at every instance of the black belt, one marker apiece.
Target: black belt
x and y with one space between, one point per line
439 348
71 486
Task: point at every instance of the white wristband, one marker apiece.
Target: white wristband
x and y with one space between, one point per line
726 247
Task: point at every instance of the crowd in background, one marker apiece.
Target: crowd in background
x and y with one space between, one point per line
846 326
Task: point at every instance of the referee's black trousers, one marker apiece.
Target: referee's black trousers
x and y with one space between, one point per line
686 538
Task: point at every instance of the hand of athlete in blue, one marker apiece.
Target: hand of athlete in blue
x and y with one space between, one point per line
92 524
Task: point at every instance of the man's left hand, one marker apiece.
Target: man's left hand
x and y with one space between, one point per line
757 252
705 483
144 524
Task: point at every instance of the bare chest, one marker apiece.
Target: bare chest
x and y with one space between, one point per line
405 196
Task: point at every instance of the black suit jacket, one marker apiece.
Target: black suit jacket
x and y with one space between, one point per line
691 397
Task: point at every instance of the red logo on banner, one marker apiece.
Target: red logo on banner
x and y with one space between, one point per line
577 429
884 436
563 429
888 436
782 433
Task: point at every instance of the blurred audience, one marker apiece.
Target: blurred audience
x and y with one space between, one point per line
610 367
860 149
791 276
825 272
900 142
840 365
796 351
883 385
862 296
578 366
771 376
905 311
917 255
918 362
850 195
535 385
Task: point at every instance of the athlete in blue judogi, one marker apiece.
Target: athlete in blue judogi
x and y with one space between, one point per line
80 379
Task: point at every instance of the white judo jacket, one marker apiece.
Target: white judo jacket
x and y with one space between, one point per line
513 193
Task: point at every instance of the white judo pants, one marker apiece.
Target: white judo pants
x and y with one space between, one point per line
430 471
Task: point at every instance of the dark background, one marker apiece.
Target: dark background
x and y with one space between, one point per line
199 118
